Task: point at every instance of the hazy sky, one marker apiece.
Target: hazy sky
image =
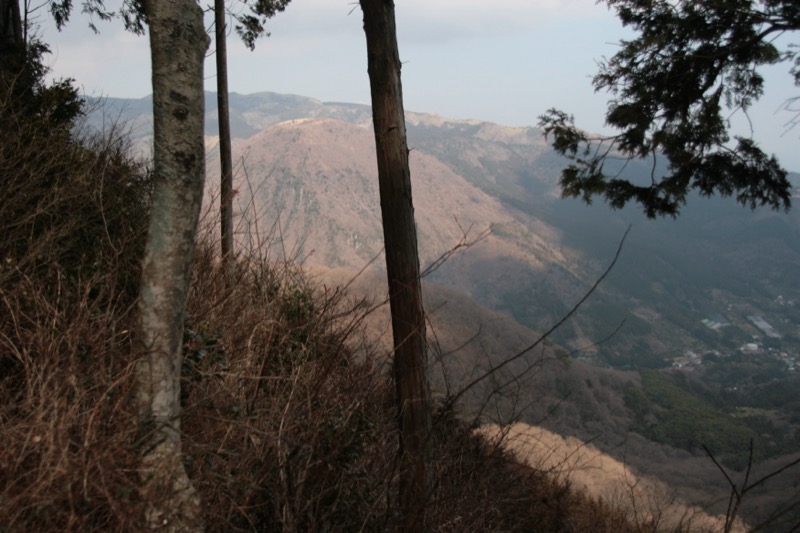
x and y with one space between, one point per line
505 61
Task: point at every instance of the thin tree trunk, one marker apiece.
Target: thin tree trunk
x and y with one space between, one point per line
402 262
12 45
226 158
10 24
177 45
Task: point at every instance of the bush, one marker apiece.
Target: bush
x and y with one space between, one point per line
67 461
72 226
74 206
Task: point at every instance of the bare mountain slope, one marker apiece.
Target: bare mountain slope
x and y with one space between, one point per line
545 251
317 179
313 184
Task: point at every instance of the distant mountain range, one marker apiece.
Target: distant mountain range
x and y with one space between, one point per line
309 167
706 282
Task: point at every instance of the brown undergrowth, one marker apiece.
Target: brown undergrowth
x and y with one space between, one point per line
72 219
66 460
288 424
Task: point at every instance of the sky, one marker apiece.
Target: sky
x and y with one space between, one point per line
504 61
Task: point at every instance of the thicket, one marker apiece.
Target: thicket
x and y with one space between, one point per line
75 204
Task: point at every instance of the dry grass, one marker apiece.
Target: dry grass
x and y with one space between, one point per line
644 501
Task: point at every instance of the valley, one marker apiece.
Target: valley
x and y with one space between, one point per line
692 339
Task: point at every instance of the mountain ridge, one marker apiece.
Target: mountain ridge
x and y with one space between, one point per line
543 251
307 175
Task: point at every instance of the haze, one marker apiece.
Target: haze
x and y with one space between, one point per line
506 61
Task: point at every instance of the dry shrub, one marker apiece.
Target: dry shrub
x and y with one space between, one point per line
72 222
74 205
66 461
287 424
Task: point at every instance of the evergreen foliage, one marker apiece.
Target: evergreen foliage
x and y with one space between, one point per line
691 65
251 24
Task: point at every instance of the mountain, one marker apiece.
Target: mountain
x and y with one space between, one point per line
321 184
717 278
715 260
688 293
714 280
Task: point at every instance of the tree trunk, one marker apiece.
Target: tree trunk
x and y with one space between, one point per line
177 45
402 261
226 159
10 24
12 46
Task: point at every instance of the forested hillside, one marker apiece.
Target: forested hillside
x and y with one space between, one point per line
714 259
682 294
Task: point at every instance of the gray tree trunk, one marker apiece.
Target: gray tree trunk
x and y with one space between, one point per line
402 262
178 44
225 156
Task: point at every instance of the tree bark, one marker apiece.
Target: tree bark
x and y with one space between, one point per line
402 262
12 45
177 45
10 24
226 158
